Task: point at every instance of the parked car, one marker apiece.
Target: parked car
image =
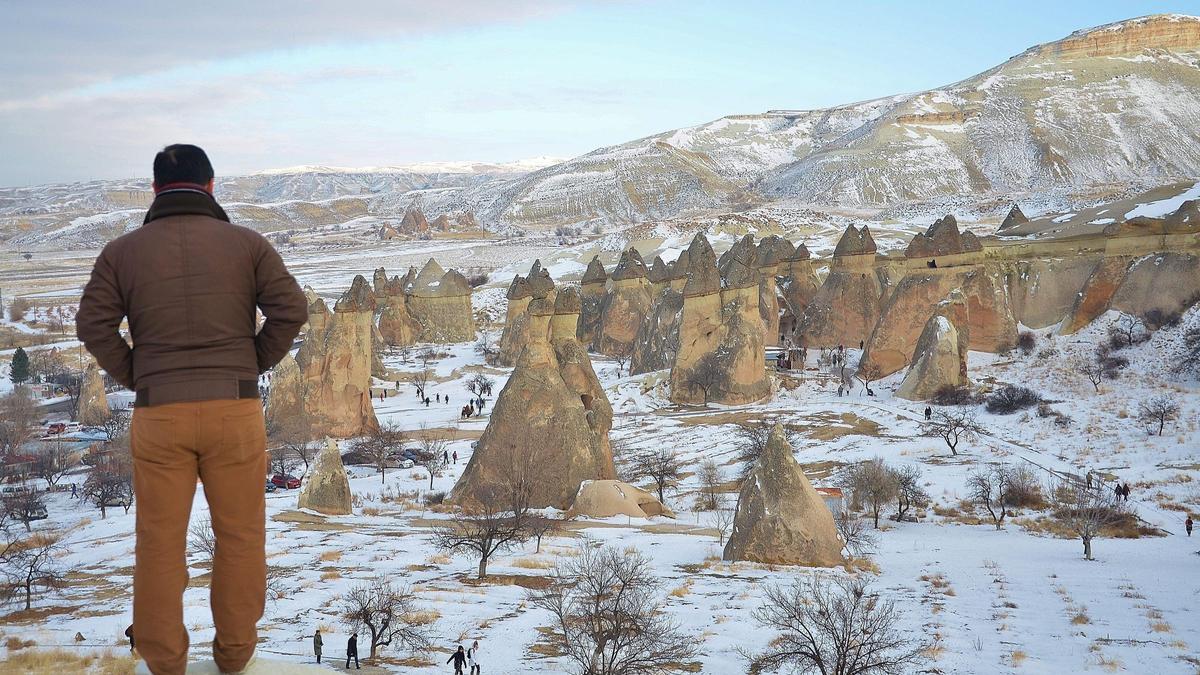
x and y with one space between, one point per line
286 482
406 464
56 428
116 501
270 486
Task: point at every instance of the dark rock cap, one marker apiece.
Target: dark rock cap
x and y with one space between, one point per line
631 266
702 275
679 266
1014 218
659 272
737 265
595 273
772 250
358 298
567 301
519 288
855 241
801 252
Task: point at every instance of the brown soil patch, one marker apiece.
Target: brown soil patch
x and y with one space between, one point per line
37 614
522 580
309 522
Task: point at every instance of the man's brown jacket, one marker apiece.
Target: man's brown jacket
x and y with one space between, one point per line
189 282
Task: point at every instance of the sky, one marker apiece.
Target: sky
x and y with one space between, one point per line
91 90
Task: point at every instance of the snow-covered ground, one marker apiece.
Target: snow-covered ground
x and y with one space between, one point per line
988 600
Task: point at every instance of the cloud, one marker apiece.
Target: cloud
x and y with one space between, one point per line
52 47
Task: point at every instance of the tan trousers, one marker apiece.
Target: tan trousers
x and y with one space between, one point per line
223 443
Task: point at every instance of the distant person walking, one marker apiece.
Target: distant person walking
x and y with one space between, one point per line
455 455
352 652
459 659
1187 525
928 413
317 642
474 657
191 284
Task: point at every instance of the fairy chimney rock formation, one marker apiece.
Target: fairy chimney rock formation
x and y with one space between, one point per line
379 280
440 302
326 488
397 327
780 518
335 365
1014 218
93 401
943 238
624 306
591 295
565 321
521 292
720 355
551 420
285 403
414 222
441 223
940 357
848 304
855 242
608 498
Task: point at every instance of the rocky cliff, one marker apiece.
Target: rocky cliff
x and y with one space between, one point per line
940 357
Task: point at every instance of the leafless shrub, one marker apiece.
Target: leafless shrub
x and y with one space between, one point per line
201 538
378 445
834 628
1026 342
29 564
1086 511
389 614
1010 398
608 617
17 310
1129 330
952 426
951 395
1024 488
872 484
723 517
19 417
857 537
909 492
711 479
659 465
989 488
1158 410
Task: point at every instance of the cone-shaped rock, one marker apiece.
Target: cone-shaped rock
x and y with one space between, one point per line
326 488
397 327
93 402
379 280
414 222
780 519
1014 218
624 307
702 275
940 358
591 295
855 241
441 302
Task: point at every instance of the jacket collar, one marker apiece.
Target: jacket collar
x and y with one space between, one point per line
184 201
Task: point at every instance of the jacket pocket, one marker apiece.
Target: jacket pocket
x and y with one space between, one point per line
244 435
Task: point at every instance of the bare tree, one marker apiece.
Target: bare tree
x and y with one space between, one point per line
1091 369
110 482
538 526
722 521
432 456
989 488
872 484
480 385
55 461
622 354
705 375
388 613
29 564
1161 409
867 374
711 480
1127 331
857 538
1187 358
751 439
608 617
659 465
834 628
19 417
201 538
1087 511
116 425
24 506
379 444
17 310
909 492
498 520
952 426
292 438
280 460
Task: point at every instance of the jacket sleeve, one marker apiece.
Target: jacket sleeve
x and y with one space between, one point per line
282 303
98 321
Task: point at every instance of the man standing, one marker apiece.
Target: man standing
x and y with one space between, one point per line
317 642
352 651
190 283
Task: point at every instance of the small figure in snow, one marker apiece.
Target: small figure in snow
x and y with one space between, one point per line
928 413
129 634
445 457
456 457
438 397
1187 525
473 656
352 652
317 642
74 492
1089 479
426 401
458 658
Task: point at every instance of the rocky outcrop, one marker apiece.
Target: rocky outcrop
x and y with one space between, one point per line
591 291
625 305
940 357
326 488
780 518
442 223
943 238
551 420
93 400
285 403
657 338
772 254
441 303
798 284
414 222
1044 290
848 304
467 221
659 274
397 327
335 365
379 280
720 356
1014 218
522 291
608 498
1168 283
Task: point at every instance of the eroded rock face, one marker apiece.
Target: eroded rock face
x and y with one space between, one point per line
1044 290
940 357
440 301
286 400
720 355
657 338
855 241
848 304
326 488
335 365
93 401
625 305
780 519
379 280
1167 282
1097 293
1014 218
608 498
397 327
943 238
551 419
521 292
414 222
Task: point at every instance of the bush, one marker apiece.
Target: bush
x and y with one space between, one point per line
1026 342
952 395
1010 399
433 498
1157 318
1004 349
1046 353
477 279
1024 489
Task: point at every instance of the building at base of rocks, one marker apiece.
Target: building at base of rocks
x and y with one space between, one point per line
780 519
